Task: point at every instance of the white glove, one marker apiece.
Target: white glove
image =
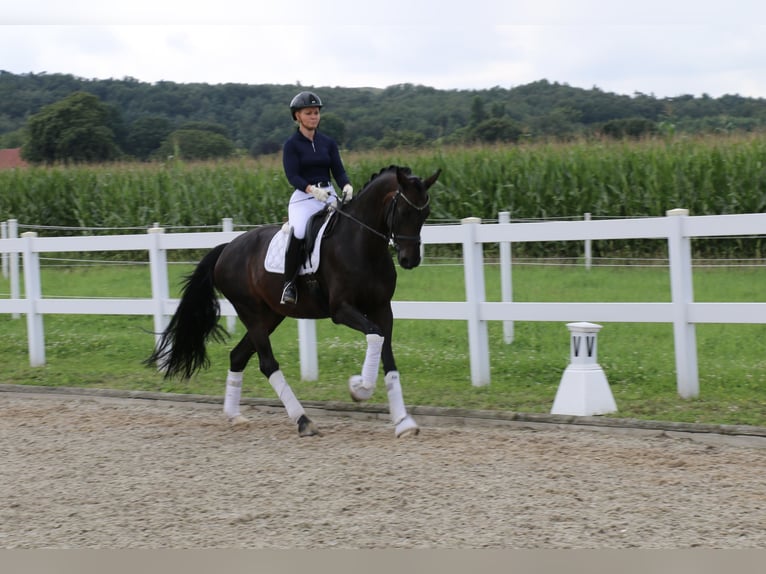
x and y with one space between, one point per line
319 193
348 192
332 201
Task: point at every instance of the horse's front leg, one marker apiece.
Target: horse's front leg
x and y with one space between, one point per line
378 328
259 336
363 386
404 424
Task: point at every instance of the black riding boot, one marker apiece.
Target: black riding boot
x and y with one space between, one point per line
292 261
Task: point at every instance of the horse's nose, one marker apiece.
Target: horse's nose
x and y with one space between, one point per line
409 262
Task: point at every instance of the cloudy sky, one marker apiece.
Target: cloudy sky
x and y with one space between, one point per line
660 47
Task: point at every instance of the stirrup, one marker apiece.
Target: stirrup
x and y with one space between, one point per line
289 294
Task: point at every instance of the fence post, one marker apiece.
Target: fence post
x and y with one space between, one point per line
227 225
13 233
478 338
682 293
307 345
588 246
33 293
158 266
4 235
506 275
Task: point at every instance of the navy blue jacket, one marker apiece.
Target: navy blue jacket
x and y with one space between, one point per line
308 162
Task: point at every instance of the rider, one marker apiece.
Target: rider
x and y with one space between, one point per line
309 158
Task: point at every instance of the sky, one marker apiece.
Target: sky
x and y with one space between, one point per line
663 48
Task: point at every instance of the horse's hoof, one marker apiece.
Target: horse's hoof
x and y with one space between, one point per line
358 391
406 427
238 421
307 428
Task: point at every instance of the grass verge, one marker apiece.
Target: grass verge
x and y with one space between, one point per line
432 356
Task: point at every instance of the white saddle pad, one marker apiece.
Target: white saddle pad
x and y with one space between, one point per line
275 254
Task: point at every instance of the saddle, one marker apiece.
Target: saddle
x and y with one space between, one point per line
319 227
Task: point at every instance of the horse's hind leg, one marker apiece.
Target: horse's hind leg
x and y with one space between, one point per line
238 359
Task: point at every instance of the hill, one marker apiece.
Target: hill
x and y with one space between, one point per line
256 117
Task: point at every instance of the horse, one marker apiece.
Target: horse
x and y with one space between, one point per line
353 285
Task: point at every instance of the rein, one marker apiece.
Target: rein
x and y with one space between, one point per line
390 212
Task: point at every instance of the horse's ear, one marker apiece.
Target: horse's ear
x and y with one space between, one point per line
432 180
401 175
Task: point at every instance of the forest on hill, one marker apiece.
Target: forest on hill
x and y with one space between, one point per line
141 118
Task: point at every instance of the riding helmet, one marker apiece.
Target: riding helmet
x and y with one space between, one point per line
304 100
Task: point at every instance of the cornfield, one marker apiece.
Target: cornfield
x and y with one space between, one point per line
720 175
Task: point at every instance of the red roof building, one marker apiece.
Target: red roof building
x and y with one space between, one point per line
11 158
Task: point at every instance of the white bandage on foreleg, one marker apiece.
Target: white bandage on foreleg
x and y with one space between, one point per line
372 361
233 394
395 399
285 394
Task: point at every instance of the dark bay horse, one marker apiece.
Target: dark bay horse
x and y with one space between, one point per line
353 286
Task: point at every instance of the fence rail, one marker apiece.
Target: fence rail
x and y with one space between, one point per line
677 227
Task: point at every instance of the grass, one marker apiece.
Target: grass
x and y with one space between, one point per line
432 356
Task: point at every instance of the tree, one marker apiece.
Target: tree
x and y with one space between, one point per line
334 127
13 139
145 136
478 113
78 128
256 117
629 128
394 139
196 144
494 130
213 127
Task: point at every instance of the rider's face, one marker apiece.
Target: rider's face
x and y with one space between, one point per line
308 117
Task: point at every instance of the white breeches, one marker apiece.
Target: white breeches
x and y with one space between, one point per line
300 209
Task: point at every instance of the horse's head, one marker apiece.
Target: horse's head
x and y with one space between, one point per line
407 210
393 205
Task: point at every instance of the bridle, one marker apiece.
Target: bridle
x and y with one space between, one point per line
391 236
391 213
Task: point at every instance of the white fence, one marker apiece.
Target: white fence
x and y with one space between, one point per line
678 228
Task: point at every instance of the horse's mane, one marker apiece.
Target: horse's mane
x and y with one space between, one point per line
391 168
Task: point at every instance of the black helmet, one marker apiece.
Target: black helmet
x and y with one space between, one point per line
304 100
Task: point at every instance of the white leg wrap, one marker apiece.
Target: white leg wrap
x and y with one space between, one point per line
395 399
404 424
372 361
285 394
233 394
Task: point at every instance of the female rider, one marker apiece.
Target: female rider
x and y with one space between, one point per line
309 158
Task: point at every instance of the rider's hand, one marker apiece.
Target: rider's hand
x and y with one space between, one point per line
319 193
348 193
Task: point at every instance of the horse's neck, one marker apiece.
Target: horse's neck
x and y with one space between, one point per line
371 209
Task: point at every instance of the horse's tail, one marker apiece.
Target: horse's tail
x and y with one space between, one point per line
181 348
